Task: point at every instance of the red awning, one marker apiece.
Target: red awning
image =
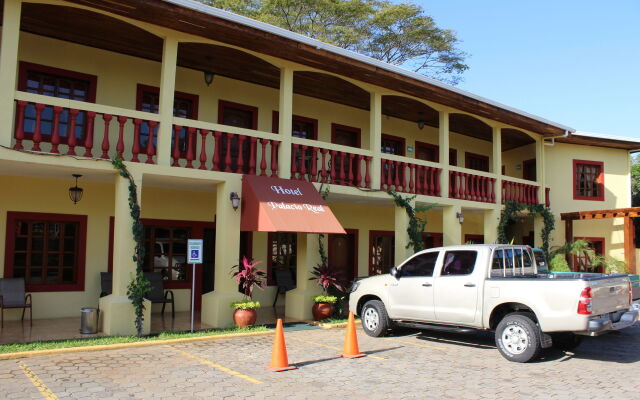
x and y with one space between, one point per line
281 205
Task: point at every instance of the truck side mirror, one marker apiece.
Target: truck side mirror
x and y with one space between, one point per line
394 272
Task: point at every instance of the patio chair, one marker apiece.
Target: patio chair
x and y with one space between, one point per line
158 294
12 295
106 283
284 280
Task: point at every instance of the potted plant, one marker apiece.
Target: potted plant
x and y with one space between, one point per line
326 277
248 278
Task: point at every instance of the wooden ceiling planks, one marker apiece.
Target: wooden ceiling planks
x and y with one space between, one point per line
513 138
632 212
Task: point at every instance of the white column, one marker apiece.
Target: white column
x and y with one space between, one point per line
540 178
9 67
375 137
285 122
491 221
165 103
443 145
215 305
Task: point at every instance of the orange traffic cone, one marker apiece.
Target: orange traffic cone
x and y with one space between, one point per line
350 349
279 361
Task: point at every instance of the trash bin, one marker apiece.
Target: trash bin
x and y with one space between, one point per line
89 320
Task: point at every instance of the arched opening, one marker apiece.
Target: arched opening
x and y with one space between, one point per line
409 128
470 141
518 154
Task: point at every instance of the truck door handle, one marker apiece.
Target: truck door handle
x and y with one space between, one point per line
470 285
427 284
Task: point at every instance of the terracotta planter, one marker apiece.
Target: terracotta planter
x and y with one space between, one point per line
321 311
244 318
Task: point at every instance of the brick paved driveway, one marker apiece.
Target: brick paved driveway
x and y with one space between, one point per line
407 365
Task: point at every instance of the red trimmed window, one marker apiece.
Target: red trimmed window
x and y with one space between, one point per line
588 180
166 251
476 161
392 145
431 152
281 254
185 105
47 250
583 263
301 127
431 239
345 135
381 252
55 82
473 239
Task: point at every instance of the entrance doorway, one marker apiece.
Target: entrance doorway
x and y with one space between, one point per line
343 254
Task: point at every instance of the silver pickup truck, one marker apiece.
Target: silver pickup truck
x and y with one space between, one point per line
493 287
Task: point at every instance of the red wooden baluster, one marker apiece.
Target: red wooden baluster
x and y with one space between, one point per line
343 176
55 135
418 173
241 160
383 174
105 137
151 150
547 197
37 134
227 157
252 155
452 184
412 172
436 181
323 166
432 191
359 182
71 132
521 192
203 148
525 188
190 151
294 160
467 191
19 134
474 184
367 173
483 193
88 141
136 139
274 157
396 179
334 165
303 163
216 151
263 161
503 191
120 144
314 163
176 146
350 166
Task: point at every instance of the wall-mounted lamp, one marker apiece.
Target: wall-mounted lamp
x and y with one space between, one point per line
208 77
235 200
460 217
421 120
75 192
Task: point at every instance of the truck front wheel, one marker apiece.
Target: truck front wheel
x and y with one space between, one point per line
518 337
375 321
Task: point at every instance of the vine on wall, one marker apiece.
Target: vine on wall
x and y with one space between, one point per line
510 213
139 287
416 224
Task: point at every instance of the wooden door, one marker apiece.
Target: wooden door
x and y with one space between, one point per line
529 170
241 116
343 254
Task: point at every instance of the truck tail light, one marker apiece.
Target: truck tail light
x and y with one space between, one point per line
584 304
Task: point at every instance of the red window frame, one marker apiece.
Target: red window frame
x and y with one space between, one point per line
599 180
437 239
275 124
335 127
223 105
372 236
81 220
197 232
469 157
400 141
453 153
593 240
25 67
474 237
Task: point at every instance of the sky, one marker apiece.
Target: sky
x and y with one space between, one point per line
572 62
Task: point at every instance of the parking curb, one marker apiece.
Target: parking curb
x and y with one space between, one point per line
82 349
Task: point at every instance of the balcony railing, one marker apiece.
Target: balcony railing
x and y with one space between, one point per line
410 177
520 192
473 187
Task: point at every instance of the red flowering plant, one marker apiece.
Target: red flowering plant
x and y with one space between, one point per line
248 277
327 277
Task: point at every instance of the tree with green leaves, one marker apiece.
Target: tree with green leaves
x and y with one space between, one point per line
396 33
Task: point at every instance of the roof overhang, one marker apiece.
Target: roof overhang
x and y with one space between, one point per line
602 140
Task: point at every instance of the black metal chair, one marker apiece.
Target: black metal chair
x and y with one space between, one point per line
106 283
12 295
285 282
158 294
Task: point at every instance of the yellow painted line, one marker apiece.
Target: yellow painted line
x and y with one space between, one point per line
218 366
331 347
42 388
418 344
81 349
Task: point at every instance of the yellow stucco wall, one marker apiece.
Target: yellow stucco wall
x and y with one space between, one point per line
513 159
